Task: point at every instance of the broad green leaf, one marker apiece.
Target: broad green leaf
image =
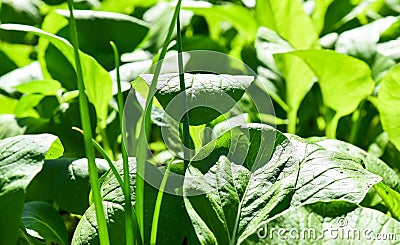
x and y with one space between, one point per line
42 221
299 79
64 181
18 53
390 197
254 172
327 223
21 158
207 95
21 12
238 16
288 18
96 79
370 162
8 103
98 28
389 104
27 102
319 12
361 42
44 87
174 225
22 75
9 126
348 77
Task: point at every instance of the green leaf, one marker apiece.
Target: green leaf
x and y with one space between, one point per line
64 181
19 76
319 12
391 199
27 102
172 211
238 16
8 103
21 12
361 42
207 95
288 18
44 87
349 77
370 162
10 127
97 81
327 223
389 104
98 28
42 221
254 172
21 158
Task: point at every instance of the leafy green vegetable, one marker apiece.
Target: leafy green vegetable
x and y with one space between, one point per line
64 181
255 172
207 95
21 158
43 222
350 78
97 80
327 222
388 104
288 18
172 211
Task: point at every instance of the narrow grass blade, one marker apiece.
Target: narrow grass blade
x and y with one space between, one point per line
87 136
157 207
145 127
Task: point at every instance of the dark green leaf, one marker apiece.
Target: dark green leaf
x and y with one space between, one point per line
21 158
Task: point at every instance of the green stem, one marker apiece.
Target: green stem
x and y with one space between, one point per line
157 207
292 118
104 140
129 221
356 123
144 129
186 132
87 136
331 127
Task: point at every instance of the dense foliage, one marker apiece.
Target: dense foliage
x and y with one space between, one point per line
324 158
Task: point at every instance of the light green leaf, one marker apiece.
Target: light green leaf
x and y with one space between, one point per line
44 87
97 81
207 95
172 211
348 77
361 42
254 172
27 102
10 127
288 18
64 181
21 158
22 75
327 223
391 199
8 103
370 162
319 12
42 221
238 16
389 104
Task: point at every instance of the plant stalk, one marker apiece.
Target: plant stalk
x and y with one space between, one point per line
87 136
130 229
185 119
144 129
